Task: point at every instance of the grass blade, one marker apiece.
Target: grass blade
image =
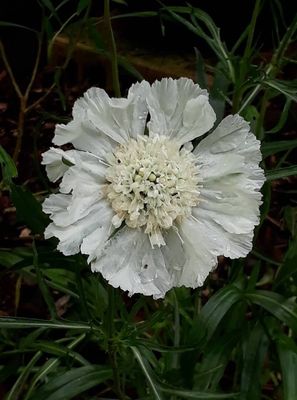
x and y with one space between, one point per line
21 323
287 352
73 382
254 353
18 386
280 173
147 372
282 308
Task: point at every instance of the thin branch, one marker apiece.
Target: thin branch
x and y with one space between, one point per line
35 69
9 70
40 100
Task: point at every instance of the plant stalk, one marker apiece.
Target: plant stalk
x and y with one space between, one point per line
112 49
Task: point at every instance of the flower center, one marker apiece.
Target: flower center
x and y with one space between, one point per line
152 184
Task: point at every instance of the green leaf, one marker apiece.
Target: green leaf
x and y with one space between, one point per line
210 369
207 31
8 167
280 173
287 352
42 285
73 382
269 148
282 308
214 311
21 323
217 93
253 358
28 209
288 267
82 4
9 258
58 350
146 369
48 366
288 89
193 394
15 391
283 118
251 114
205 326
200 70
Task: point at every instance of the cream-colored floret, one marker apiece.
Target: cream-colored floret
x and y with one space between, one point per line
152 184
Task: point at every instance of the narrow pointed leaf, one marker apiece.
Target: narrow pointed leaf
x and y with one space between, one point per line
73 382
287 352
282 308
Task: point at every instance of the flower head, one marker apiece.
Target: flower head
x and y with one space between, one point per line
150 212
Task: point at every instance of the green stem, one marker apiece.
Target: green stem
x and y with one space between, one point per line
261 119
176 340
244 63
112 50
112 352
176 329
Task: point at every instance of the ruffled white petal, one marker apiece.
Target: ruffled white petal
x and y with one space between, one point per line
129 262
231 180
100 122
81 188
179 109
73 237
57 162
201 256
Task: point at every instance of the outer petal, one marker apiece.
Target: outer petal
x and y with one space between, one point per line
81 188
71 237
100 122
179 109
54 164
200 252
128 261
231 180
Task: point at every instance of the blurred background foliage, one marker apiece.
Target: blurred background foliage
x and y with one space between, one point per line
64 333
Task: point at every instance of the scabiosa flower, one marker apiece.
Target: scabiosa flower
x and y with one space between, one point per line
150 211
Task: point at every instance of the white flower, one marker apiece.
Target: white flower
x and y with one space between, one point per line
149 212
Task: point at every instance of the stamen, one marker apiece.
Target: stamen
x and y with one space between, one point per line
154 186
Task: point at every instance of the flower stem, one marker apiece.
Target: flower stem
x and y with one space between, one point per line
112 352
112 50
